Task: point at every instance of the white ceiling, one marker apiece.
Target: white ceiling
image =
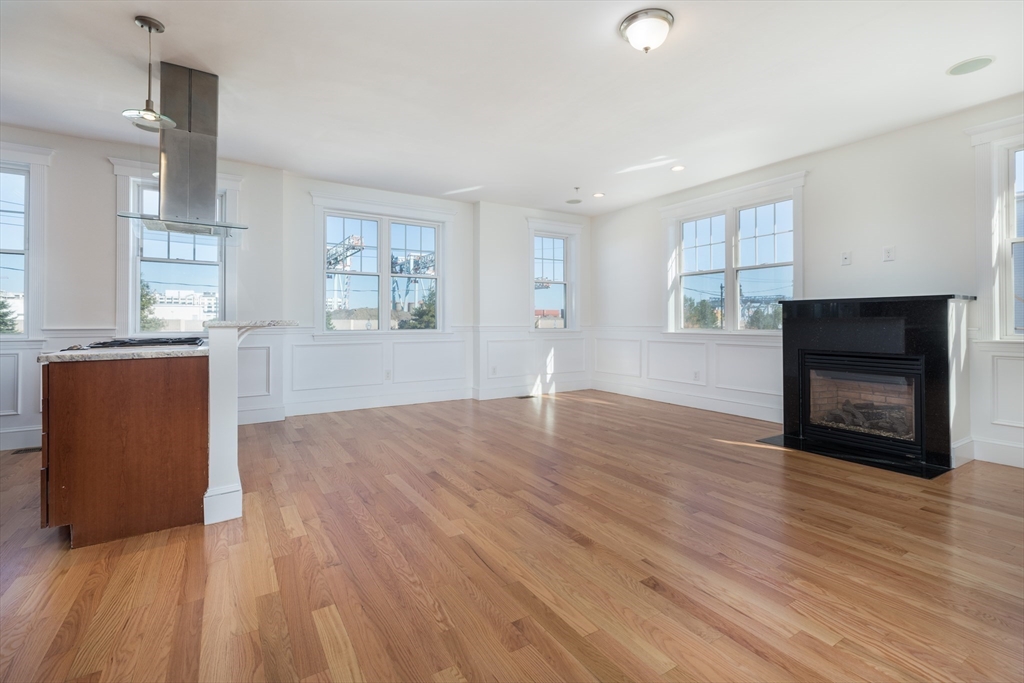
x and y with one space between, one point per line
524 99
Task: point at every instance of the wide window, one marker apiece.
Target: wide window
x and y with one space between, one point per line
735 257
380 273
13 249
1014 246
180 276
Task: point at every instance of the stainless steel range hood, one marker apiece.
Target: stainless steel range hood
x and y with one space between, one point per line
188 155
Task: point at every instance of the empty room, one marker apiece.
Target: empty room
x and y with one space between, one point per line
511 341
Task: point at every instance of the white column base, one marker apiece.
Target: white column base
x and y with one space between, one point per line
222 503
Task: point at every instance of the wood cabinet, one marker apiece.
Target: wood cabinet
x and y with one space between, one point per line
125 446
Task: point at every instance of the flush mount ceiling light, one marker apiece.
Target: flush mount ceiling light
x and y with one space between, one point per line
678 168
599 194
969 66
646 29
149 119
577 200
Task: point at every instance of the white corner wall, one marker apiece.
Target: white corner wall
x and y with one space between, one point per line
913 189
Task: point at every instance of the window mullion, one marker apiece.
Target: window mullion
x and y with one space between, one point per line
731 303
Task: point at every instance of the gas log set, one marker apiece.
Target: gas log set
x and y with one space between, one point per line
884 420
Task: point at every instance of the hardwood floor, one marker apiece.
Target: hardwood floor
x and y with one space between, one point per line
581 537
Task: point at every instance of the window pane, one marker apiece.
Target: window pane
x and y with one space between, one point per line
413 303
154 243
748 255
397 236
369 233
334 230
559 250
181 246
690 260
718 255
412 237
718 229
746 223
784 247
1017 253
704 231
346 241
689 233
784 216
352 302
703 296
549 307
369 261
765 249
353 227
765 219
427 237
1018 190
150 201
12 211
760 292
12 293
549 270
559 275
538 269
549 248
178 297
207 248
704 258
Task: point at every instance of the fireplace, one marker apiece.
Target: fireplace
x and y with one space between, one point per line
876 381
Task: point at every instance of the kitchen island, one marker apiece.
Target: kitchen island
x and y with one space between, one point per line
125 440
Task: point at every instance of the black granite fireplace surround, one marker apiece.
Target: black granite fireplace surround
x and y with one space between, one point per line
868 380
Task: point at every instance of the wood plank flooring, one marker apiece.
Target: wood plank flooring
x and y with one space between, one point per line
583 537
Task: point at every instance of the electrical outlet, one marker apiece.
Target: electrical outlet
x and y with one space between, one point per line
387 375
494 370
696 375
888 253
846 258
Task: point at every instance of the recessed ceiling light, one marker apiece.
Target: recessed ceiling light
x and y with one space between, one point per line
599 194
678 168
969 66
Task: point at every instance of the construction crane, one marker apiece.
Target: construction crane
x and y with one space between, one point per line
410 264
338 256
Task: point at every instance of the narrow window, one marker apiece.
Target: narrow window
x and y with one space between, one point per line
13 249
550 283
703 279
764 273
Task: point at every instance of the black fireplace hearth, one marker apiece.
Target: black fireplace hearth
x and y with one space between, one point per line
871 380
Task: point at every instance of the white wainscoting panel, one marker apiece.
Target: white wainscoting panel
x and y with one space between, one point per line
564 355
618 357
754 368
428 361
253 371
1008 395
10 384
512 358
684 362
333 366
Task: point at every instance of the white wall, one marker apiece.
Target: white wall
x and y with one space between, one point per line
913 189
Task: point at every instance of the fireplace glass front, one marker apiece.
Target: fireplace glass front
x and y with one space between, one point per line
878 404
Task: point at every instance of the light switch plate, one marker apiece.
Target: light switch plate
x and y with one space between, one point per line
846 258
888 253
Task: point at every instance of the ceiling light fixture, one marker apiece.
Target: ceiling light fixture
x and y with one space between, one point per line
599 194
678 168
149 119
574 201
646 29
969 66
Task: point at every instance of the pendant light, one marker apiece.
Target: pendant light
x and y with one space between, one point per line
149 119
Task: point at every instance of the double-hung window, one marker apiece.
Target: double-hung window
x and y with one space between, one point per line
379 273
734 257
550 283
180 276
14 188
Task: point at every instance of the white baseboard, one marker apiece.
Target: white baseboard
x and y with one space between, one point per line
249 416
20 437
338 405
222 503
751 410
1000 452
962 451
529 389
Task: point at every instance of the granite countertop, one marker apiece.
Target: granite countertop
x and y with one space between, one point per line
250 323
123 353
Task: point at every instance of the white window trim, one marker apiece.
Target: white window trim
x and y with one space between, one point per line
570 232
384 213
36 161
125 171
730 203
993 143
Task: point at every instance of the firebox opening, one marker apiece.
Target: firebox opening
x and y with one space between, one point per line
877 404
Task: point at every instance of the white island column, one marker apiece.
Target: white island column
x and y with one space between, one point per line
223 498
